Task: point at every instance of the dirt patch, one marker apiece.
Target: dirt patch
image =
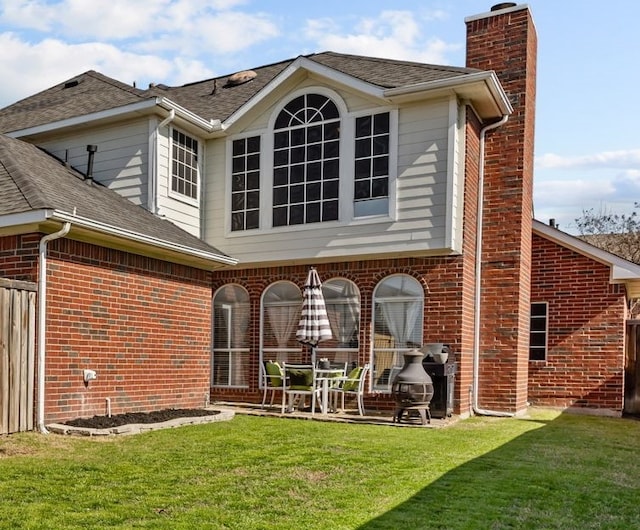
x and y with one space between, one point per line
158 416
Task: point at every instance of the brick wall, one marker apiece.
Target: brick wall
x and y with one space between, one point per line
585 359
442 279
505 41
142 324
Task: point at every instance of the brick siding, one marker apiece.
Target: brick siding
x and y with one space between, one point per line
585 358
506 43
142 324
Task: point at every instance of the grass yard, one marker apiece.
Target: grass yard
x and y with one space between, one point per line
543 471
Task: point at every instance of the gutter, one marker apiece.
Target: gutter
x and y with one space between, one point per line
141 108
478 278
42 318
64 217
153 162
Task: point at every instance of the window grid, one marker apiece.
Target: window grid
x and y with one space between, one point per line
245 184
372 157
538 333
306 162
230 354
184 171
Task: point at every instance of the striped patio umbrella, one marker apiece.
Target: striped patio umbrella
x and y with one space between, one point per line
314 324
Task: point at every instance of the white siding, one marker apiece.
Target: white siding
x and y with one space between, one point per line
422 189
183 213
121 162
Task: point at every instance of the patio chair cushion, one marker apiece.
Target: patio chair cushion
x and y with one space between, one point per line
300 379
353 380
274 370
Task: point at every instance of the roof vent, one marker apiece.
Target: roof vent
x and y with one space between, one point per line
72 83
239 78
503 5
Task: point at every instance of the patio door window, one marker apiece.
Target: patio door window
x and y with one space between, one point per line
279 318
398 316
342 300
229 362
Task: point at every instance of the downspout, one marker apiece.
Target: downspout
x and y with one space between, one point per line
42 315
478 278
153 184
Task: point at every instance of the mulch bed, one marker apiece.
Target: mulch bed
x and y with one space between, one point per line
158 416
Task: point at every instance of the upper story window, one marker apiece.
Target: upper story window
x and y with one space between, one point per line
538 331
245 184
184 165
371 171
306 160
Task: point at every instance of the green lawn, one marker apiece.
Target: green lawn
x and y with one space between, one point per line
543 471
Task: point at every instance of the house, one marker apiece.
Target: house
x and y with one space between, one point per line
408 186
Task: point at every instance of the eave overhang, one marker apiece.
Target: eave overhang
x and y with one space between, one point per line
481 89
622 271
155 105
90 231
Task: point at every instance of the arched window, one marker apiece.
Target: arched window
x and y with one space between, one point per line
279 317
398 314
342 299
229 363
306 160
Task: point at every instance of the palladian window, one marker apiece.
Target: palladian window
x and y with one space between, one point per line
306 160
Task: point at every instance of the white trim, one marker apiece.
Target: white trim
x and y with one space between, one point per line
86 118
61 216
209 126
621 270
464 85
40 216
452 144
303 63
503 11
173 194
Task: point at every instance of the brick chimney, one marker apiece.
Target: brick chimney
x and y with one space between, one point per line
504 40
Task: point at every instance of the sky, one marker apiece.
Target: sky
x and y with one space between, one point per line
587 147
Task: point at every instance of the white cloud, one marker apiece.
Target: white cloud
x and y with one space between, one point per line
606 159
393 34
35 67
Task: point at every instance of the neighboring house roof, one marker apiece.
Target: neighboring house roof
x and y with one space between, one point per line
211 99
36 187
622 270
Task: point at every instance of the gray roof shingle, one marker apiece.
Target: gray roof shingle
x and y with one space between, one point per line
31 179
211 98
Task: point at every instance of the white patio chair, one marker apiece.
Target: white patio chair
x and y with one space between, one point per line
352 386
272 379
299 380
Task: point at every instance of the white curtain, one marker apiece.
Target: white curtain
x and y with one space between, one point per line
283 320
400 318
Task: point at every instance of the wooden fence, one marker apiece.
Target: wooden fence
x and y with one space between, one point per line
17 355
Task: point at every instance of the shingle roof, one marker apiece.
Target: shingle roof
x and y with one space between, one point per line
31 179
86 93
209 99
214 99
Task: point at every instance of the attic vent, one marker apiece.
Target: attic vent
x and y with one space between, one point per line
240 78
72 83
